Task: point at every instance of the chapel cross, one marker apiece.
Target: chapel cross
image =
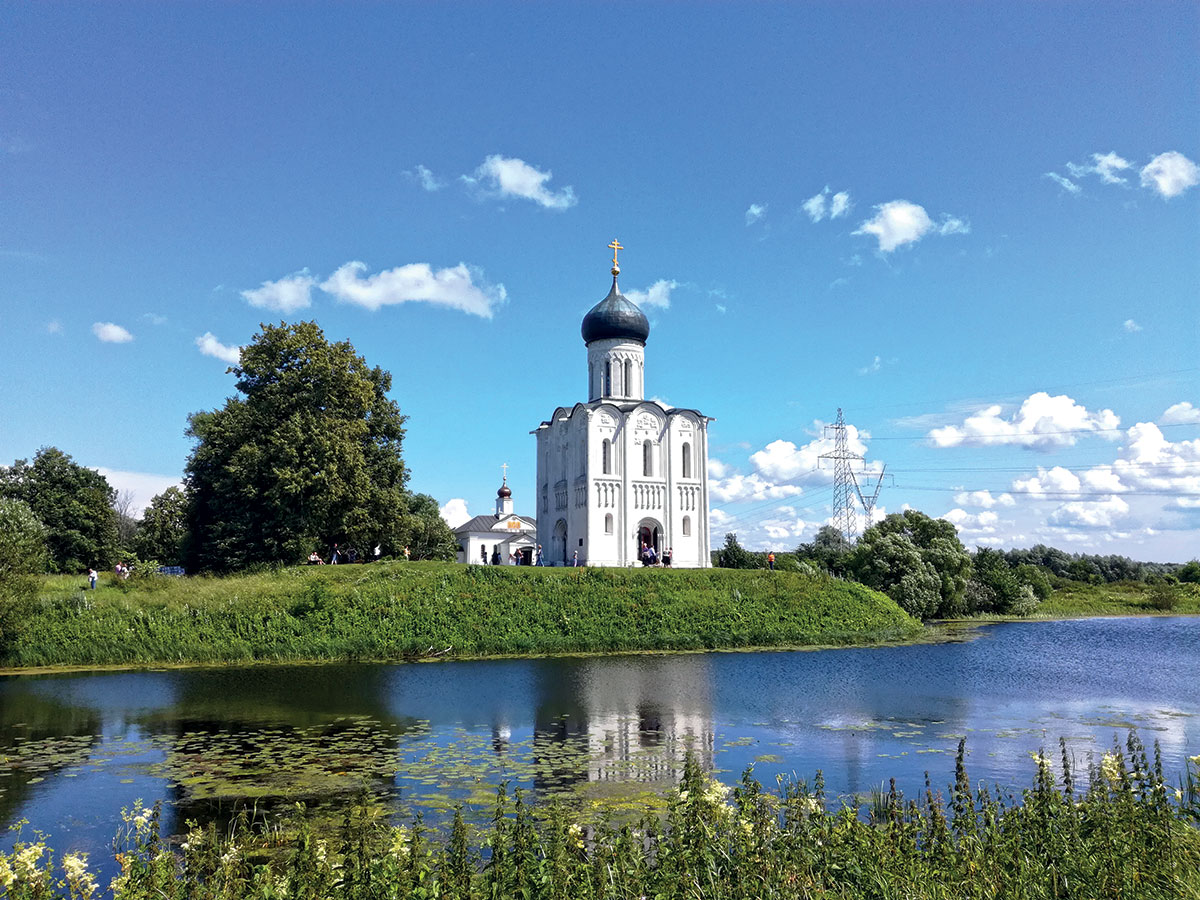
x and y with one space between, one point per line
505 468
615 245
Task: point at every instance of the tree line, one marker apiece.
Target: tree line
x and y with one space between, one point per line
920 563
307 455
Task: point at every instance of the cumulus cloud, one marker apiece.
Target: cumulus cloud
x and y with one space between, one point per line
1042 423
1131 326
658 294
820 205
1106 165
755 213
896 223
973 523
983 499
210 346
110 333
454 511
287 295
1055 480
1170 174
1182 413
416 282
1090 513
1148 461
839 204
425 178
815 206
738 487
511 177
1065 183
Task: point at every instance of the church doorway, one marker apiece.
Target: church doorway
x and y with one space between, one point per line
558 543
649 534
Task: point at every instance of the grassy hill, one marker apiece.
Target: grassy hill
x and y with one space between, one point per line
404 610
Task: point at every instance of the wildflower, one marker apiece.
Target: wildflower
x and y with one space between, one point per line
1110 769
1041 759
812 805
7 876
1178 795
575 832
1195 760
26 863
230 856
81 882
399 846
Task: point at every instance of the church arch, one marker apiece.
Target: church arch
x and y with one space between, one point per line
649 534
558 542
687 526
687 460
608 524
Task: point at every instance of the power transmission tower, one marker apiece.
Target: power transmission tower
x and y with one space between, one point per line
844 483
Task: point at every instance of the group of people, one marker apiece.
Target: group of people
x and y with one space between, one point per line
650 556
349 555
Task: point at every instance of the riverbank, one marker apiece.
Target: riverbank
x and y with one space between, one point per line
394 611
1076 600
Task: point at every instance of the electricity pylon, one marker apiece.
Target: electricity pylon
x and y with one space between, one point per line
845 482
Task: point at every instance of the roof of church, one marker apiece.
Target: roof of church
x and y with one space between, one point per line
487 523
616 316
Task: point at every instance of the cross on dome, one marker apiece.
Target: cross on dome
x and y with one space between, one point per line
615 245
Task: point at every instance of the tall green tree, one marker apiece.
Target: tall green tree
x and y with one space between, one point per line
22 540
73 502
163 530
917 561
308 455
734 556
428 534
827 550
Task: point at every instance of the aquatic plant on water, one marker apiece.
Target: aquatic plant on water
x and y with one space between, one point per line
1127 834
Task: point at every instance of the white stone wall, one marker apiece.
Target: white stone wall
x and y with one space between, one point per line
628 369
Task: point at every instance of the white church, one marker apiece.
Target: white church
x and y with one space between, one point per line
620 473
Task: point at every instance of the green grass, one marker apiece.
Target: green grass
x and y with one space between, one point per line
404 610
1123 837
1122 598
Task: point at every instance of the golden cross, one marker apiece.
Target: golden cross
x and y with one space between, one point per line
505 468
615 245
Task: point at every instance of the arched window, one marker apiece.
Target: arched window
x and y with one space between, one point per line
687 460
606 457
647 459
687 526
608 524
608 378
629 378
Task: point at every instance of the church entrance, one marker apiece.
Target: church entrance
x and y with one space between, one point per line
558 543
649 536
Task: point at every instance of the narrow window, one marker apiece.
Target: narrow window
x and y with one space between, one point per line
608 524
647 459
628 378
687 460
687 526
608 378
606 457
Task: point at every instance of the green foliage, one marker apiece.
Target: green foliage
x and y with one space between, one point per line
22 540
1071 598
1037 579
1120 839
74 503
828 550
308 456
163 531
429 535
1090 568
1189 572
394 610
734 556
917 561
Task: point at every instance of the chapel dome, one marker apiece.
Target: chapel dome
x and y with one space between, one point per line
615 317
504 493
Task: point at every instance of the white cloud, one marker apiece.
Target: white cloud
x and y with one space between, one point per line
1106 165
1065 183
977 523
54 327
143 485
1170 174
755 213
896 223
1103 478
1150 462
839 204
511 177
875 365
210 346
454 511
739 487
658 294
983 499
416 282
815 206
1056 480
1131 326
288 294
1182 413
426 179
953 225
1090 513
1042 423
716 468
784 523
110 333
721 308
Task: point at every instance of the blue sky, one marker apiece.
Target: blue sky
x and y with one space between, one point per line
974 227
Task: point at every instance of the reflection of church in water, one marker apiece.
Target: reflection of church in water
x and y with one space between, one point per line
620 472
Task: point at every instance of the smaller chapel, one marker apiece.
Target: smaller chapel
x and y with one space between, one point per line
499 539
620 475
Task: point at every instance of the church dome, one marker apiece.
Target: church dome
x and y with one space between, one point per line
615 317
504 493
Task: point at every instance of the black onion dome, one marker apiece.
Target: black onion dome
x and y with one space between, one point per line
504 493
615 317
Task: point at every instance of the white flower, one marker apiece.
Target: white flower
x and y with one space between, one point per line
1110 769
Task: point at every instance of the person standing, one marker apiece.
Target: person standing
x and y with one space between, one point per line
483 555
667 557
541 561
771 560
92 578
407 553
575 558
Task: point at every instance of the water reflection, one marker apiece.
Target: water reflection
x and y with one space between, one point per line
423 737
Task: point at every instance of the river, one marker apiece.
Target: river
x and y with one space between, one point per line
75 748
